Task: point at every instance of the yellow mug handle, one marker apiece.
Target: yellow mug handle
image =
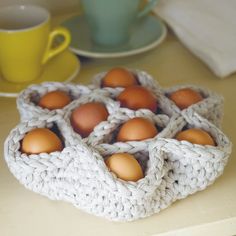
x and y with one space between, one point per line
51 50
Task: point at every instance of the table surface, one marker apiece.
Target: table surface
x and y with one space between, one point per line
210 212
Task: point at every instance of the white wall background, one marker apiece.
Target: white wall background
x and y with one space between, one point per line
55 6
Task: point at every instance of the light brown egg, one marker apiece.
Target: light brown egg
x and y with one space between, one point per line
87 116
125 166
137 97
54 100
186 97
118 77
196 136
137 129
41 140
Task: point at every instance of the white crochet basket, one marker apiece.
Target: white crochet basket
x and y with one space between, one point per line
78 174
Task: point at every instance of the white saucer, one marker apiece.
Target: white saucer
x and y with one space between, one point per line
62 68
146 34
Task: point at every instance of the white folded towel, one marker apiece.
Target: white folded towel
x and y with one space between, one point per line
207 28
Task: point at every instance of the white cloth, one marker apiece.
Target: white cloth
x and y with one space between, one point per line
207 28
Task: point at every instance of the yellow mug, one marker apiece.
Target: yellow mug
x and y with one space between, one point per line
26 42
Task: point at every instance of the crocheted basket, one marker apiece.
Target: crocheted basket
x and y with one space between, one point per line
78 174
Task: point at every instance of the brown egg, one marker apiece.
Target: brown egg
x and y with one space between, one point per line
118 77
137 97
54 100
196 136
87 116
125 166
41 140
137 129
186 97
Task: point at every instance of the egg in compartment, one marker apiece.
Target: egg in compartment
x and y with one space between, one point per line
54 100
119 77
137 129
41 140
196 136
137 97
85 117
183 98
125 166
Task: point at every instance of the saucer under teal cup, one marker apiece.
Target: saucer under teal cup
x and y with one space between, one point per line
146 33
110 21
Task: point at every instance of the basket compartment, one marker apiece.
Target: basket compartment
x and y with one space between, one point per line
142 77
106 132
110 105
211 107
38 171
28 99
193 167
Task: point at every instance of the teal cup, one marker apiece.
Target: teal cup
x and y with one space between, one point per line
110 21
